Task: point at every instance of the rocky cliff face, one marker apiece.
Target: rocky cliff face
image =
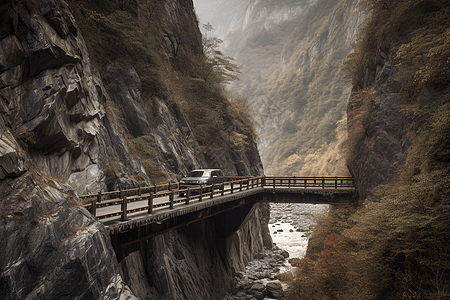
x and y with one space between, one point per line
385 143
397 151
52 101
388 110
53 125
197 261
69 128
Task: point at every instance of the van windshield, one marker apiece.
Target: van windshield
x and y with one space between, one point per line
195 174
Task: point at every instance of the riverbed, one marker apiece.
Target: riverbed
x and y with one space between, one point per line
291 224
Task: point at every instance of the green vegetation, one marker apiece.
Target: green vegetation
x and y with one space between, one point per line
203 98
214 66
397 246
145 148
118 35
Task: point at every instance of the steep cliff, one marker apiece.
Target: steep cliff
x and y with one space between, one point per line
91 99
53 127
291 55
197 261
394 243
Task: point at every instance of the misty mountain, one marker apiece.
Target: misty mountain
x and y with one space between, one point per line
291 55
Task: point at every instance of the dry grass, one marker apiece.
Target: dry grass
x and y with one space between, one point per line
359 110
75 203
41 218
74 232
396 247
393 248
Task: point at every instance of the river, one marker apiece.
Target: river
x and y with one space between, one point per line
291 224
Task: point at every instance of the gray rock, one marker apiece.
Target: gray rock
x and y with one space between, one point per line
52 249
383 148
259 295
257 287
274 290
12 160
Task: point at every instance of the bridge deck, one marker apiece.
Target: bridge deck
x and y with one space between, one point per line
121 211
134 215
116 224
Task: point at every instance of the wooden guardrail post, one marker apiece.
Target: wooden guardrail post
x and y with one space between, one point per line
188 196
93 208
139 191
200 198
212 191
232 187
171 196
124 208
150 203
248 183
99 197
222 189
170 186
263 181
323 183
289 183
273 182
335 182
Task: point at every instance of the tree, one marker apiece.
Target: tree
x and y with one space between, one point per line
215 67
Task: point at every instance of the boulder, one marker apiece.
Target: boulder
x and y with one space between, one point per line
284 253
257 290
274 290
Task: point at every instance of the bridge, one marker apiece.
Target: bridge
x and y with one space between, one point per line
134 215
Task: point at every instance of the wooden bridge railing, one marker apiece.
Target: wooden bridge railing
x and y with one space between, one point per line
123 197
310 182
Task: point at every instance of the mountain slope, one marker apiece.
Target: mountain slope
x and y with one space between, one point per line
394 245
291 54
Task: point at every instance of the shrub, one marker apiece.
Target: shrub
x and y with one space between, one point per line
359 109
145 148
425 60
120 35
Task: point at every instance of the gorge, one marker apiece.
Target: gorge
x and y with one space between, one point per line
108 95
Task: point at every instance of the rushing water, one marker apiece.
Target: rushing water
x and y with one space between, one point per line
291 224
287 238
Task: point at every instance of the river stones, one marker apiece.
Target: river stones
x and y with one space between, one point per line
258 280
